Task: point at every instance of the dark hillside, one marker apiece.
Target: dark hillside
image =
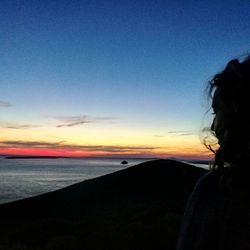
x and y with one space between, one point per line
136 208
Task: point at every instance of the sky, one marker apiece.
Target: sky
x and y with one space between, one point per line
113 78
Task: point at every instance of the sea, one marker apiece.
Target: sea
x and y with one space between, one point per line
23 178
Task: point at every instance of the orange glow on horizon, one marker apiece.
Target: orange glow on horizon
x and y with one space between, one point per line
182 154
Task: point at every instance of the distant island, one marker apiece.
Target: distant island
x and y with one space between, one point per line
35 157
124 162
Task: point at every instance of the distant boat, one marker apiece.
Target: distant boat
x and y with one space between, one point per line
124 162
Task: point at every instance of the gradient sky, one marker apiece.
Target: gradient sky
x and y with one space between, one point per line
113 78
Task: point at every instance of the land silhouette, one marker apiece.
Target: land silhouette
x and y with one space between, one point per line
140 207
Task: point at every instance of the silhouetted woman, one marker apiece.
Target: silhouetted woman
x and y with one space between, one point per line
217 216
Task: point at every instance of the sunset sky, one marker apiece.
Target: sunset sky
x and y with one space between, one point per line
113 78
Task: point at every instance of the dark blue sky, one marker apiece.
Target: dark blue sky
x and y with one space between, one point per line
145 63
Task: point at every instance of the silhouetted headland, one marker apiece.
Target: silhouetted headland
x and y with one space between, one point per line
136 208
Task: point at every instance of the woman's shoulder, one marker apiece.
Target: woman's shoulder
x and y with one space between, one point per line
206 179
227 183
208 182
200 221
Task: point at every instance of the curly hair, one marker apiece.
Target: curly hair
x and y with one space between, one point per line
229 91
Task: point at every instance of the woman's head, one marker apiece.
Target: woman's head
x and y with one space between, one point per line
230 93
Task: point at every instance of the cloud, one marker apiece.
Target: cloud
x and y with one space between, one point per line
5 104
71 121
187 134
178 131
30 144
24 126
17 125
72 124
182 132
159 136
64 145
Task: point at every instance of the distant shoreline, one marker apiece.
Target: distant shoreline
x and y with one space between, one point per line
69 157
192 161
35 157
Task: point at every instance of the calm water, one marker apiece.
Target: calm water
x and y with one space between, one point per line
22 178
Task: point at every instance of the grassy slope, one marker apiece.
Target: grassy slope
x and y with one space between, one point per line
136 208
